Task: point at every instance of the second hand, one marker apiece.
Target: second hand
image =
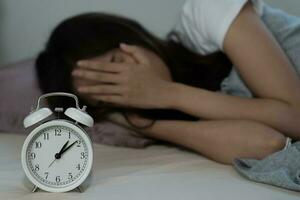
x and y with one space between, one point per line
62 151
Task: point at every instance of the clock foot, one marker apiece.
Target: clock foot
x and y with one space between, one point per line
35 188
80 189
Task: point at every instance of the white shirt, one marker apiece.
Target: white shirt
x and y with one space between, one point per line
203 24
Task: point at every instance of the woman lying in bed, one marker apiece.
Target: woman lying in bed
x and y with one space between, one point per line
170 89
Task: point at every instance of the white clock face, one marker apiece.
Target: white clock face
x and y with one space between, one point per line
57 156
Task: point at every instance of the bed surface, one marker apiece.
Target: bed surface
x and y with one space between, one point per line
157 172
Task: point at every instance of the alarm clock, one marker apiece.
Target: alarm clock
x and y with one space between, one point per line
57 155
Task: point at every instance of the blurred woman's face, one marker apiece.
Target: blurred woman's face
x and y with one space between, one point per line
113 56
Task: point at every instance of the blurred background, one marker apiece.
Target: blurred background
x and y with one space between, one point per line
25 25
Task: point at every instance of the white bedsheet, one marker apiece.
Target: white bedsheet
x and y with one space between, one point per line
158 172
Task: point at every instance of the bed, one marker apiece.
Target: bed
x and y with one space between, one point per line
157 172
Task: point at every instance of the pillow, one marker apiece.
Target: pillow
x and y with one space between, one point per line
20 92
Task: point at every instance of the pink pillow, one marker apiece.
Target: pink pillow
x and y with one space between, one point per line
20 91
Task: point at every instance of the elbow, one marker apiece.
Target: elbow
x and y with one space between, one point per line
277 143
294 105
292 120
274 144
287 120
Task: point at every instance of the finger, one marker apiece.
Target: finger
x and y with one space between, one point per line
102 77
136 52
116 99
101 89
99 66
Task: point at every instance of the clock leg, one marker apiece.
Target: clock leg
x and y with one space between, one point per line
34 189
80 189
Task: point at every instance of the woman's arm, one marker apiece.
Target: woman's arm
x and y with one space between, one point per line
260 60
266 71
211 105
220 140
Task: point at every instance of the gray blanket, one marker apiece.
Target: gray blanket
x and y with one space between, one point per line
280 169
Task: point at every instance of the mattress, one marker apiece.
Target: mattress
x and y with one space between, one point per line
157 172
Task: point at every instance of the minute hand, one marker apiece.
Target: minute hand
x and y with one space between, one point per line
64 150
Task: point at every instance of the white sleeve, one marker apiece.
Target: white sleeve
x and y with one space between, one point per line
204 23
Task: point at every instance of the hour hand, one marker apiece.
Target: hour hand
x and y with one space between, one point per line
64 150
58 155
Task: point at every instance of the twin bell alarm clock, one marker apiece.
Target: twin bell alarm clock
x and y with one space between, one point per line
57 155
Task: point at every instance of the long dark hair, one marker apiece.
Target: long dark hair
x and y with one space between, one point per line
89 35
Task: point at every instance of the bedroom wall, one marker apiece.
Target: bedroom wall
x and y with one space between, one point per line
25 25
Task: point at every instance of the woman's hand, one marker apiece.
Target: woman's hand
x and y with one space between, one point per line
141 84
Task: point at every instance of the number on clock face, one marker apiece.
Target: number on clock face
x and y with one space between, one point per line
45 164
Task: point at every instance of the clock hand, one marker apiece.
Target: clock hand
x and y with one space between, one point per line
58 155
62 149
52 163
68 147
